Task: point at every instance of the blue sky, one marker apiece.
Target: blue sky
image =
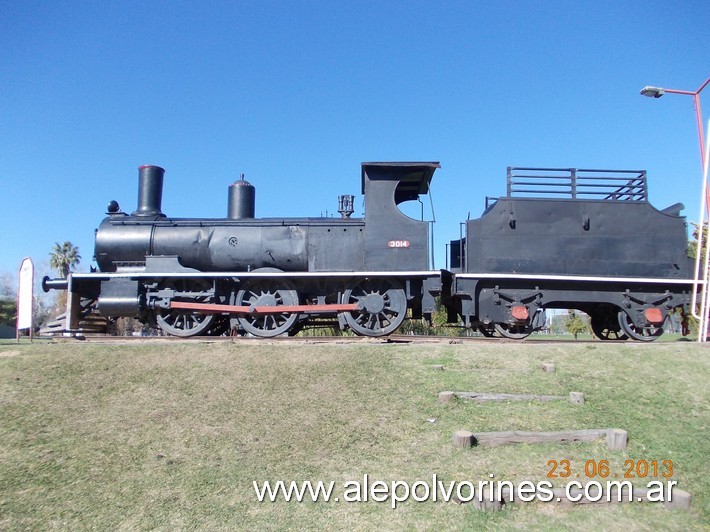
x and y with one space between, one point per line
297 94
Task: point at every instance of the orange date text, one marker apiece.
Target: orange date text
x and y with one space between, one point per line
601 468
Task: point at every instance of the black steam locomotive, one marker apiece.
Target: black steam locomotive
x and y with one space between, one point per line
582 239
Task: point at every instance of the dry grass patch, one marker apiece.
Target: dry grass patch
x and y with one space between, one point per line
172 435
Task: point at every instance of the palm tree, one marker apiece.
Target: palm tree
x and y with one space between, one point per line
64 258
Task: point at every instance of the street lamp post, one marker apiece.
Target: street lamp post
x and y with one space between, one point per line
657 92
704 315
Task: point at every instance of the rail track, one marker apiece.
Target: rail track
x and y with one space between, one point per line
392 339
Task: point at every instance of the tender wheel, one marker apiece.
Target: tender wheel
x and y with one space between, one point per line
606 326
645 334
259 292
383 307
513 332
185 323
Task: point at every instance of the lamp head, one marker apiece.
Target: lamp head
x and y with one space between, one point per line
652 92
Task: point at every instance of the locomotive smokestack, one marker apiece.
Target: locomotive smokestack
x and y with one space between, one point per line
241 200
150 190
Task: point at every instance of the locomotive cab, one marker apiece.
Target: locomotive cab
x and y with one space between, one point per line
394 241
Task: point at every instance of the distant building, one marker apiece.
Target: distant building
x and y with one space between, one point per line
7 332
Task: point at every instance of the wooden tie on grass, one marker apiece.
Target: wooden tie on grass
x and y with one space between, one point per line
445 397
576 397
464 439
616 439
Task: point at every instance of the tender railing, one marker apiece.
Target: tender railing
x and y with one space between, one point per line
612 185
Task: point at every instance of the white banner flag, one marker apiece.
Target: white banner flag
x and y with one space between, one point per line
25 294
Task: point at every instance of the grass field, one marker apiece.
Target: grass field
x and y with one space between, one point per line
172 435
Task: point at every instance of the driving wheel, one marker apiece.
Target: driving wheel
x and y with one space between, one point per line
265 292
186 323
383 307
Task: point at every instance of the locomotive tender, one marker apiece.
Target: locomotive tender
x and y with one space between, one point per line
582 239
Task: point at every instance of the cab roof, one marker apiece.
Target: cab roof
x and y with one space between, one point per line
414 177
